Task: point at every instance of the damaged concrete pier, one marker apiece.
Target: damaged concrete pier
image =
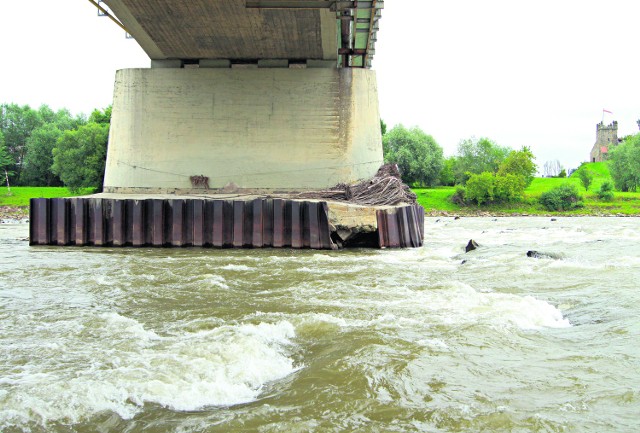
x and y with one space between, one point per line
103 220
271 101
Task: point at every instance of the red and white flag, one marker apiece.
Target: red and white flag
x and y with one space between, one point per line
606 111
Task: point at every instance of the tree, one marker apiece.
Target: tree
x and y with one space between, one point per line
79 156
586 177
478 156
446 174
383 127
624 164
417 154
552 169
17 123
519 163
101 116
39 157
5 162
481 187
605 192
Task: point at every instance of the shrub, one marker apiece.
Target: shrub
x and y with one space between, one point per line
509 187
562 198
458 197
586 177
481 187
488 187
605 192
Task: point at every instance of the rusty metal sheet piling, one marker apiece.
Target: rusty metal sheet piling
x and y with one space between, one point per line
205 223
401 227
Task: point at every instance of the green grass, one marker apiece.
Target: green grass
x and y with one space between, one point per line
625 203
20 195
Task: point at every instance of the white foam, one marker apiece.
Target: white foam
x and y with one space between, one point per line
232 267
462 303
135 366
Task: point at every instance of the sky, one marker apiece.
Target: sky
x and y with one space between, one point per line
536 74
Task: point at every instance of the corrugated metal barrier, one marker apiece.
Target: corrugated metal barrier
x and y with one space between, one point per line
204 223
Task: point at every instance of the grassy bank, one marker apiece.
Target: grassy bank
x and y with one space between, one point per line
438 200
16 204
20 195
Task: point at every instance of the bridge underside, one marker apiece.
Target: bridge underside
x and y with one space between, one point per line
339 32
247 103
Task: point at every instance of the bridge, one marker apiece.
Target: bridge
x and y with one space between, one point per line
247 105
257 94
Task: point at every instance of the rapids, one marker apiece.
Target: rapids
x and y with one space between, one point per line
417 340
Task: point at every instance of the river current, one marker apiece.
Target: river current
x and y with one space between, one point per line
419 340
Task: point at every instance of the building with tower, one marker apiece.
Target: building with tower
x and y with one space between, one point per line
606 139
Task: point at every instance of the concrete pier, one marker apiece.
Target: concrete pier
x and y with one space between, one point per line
260 129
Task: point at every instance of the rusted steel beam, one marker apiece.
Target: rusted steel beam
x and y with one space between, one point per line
314 226
196 209
138 226
176 226
157 217
218 224
267 223
401 227
60 222
296 225
81 219
238 224
257 224
38 221
119 223
324 230
96 218
278 223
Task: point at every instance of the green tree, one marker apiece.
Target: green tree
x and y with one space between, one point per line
79 156
446 174
383 127
39 157
101 116
519 163
624 164
17 123
480 188
5 162
605 193
417 154
478 156
586 177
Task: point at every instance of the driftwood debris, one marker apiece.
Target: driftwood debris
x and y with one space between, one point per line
384 189
199 182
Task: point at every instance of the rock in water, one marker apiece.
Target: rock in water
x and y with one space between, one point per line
472 245
541 255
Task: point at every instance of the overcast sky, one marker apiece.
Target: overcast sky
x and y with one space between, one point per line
534 74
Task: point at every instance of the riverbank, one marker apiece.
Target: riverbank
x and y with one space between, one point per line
13 214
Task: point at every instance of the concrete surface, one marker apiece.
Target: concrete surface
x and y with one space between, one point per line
253 129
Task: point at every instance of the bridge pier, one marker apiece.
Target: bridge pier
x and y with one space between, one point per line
257 129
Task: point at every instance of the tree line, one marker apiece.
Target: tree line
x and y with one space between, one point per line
43 147
482 170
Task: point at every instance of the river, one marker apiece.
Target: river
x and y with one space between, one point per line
419 340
